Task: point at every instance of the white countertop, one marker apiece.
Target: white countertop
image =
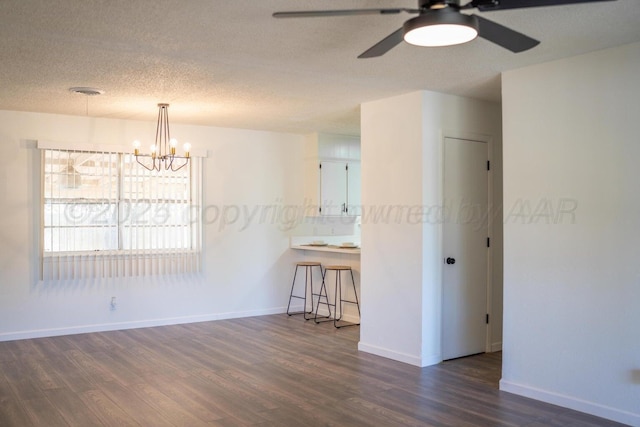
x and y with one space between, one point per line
328 248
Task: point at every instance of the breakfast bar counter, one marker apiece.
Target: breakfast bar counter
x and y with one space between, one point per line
328 248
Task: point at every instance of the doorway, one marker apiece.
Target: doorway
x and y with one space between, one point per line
465 248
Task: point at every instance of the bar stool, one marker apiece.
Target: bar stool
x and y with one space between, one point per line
338 300
308 284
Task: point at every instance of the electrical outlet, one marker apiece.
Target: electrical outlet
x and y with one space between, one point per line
113 303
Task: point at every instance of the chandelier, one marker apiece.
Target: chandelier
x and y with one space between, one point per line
163 152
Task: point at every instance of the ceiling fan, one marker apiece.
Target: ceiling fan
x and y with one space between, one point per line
441 23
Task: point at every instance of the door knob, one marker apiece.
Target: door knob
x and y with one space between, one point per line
450 260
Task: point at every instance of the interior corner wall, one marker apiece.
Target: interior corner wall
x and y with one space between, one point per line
391 257
252 181
401 260
571 233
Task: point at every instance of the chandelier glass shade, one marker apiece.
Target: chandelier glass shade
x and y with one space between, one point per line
163 151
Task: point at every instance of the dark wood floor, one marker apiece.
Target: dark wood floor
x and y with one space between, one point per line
269 370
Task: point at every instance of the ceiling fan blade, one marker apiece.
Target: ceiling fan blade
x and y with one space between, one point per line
343 12
503 36
489 5
384 45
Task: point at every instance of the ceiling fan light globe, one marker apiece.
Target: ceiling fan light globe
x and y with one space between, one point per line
440 28
440 35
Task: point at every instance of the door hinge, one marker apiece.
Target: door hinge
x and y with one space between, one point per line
488 165
487 319
488 242
346 167
320 209
319 165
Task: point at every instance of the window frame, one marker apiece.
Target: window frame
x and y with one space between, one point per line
191 227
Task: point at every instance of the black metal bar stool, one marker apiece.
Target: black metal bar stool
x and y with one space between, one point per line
338 300
308 288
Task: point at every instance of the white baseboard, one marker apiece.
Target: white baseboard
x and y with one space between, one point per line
632 419
83 329
496 346
400 357
104 327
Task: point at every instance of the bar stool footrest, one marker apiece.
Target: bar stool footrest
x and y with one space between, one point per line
343 324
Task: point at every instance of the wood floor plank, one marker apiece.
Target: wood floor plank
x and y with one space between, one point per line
275 370
132 405
109 413
19 379
74 377
216 396
41 374
13 414
170 410
188 398
91 370
72 409
41 412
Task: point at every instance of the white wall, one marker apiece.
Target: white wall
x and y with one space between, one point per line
401 256
247 266
571 233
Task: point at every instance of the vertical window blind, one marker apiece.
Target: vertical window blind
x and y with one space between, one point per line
104 215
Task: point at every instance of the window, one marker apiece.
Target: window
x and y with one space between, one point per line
104 207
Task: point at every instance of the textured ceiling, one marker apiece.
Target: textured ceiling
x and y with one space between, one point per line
229 63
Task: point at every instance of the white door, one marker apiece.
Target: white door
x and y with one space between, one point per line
353 189
464 310
333 188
